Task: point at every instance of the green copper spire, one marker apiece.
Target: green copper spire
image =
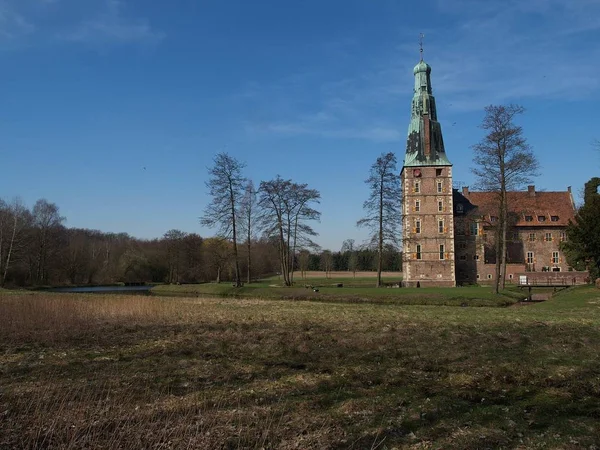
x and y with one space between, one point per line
425 145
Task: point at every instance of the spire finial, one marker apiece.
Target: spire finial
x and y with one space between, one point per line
421 36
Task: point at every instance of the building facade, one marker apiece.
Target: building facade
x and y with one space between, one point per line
448 237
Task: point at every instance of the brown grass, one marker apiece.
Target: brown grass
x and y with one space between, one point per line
146 372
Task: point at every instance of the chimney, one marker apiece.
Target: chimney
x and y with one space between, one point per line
531 190
569 189
465 190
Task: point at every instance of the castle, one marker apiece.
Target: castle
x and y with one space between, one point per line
447 235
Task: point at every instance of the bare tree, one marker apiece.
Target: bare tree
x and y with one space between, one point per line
174 240
14 219
383 207
327 262
303 262
46 221
285 209
504 161
226 187
248 222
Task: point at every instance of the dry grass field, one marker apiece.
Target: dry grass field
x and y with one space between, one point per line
148 372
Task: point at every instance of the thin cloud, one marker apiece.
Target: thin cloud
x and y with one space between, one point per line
111 26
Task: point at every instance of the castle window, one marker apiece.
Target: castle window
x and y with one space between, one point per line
531 237
529 257
440 187
541 218
554 218
418 227
548 237
462 245
489 276
463 257
510 276
528 218
438 172
441 251
440 206
417 187
476 257
474 228
459 208
419 251
554 257
563 236
440 226
493 219
478 276
417 206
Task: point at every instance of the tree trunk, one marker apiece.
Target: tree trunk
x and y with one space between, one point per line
504 231
498 260
380 243
10 247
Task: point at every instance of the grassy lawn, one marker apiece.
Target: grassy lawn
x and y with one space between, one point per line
353 291
149 372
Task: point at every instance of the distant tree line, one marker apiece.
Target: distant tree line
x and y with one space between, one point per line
37 249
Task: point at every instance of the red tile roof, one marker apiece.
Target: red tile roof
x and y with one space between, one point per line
534 204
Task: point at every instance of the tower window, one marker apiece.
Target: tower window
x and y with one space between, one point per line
440 206
440 226
438 172
442 251
417 187
418 227
440 187
418 255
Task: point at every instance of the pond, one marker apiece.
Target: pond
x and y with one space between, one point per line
105 289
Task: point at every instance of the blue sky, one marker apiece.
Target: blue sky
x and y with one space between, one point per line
113 109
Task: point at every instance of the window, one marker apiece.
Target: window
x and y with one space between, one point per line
541 218
417 187
510 276
438 172
440 187
515 236
418 251
528 218
563 236
531 237
489 276
440 206
417 206
462 245
440 226
418 227
459 208
493 219
555 258
474 228
529 257
554 218
442 251
463 257
548 237
478 276
476 257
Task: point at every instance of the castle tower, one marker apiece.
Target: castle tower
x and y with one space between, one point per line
428 227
